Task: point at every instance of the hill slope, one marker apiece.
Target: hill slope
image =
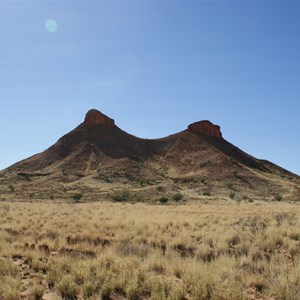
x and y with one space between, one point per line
98 160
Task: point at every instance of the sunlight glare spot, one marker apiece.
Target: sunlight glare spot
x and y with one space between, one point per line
51 26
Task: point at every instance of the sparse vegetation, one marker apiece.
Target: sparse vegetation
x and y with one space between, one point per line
231 195
196 251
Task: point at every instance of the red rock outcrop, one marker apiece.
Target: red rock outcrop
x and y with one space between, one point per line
205 128
95 117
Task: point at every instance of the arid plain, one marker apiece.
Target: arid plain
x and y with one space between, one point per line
219 249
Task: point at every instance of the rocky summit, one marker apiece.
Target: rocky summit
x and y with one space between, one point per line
95 117
206 128
98 160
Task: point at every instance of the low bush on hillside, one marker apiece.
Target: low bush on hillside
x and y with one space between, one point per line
278 197
232 195
206 194
177 197
163 200
123 197
76 197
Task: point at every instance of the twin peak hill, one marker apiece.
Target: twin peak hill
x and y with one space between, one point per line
100 161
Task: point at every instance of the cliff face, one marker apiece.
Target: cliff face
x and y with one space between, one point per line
95 117
205 128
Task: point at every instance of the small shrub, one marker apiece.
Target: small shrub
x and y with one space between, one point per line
206 194
123 197
234 240
76 197
278 197
177 197
232 195
254 225
163 200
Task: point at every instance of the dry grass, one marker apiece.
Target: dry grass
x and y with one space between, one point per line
109 250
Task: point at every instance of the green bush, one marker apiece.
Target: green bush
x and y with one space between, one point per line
163 200
232 195
177 197
77 197
206 193
278 197
123 197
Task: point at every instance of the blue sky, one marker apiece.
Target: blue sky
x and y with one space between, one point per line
154 67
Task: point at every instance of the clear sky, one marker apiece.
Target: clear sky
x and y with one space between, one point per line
154 67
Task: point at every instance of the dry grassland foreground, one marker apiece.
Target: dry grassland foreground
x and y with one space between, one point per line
103 250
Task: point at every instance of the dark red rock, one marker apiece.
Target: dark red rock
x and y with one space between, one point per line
95 117
205 128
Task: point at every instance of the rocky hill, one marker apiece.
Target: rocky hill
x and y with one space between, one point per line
98 160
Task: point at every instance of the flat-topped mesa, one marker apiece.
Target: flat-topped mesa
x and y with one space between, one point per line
95 117
205 128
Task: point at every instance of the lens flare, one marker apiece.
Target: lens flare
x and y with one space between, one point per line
51 26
